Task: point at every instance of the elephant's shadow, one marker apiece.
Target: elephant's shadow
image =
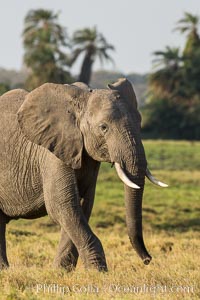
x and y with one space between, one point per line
181 226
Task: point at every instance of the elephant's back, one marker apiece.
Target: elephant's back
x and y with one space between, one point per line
11 101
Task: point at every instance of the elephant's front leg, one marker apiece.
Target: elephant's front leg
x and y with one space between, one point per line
63 205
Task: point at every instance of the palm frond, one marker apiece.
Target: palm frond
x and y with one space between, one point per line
189 23
93 43
76 53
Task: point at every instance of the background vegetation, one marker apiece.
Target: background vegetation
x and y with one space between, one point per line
169 95
171 229
173 108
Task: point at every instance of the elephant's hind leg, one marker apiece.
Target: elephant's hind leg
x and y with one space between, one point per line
3 257
67 254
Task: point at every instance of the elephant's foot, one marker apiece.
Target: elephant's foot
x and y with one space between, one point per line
3 257
93 257
67 255
67 258
67 261
98 263
4 264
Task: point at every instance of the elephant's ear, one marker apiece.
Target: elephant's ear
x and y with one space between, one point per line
125 88
49 117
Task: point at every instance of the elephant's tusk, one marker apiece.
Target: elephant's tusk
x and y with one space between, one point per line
154 180
124 178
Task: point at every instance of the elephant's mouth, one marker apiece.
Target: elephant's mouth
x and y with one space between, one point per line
131 184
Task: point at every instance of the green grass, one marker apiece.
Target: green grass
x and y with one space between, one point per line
171 231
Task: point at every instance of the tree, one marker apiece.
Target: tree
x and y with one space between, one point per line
173 110
191 53
166 79
189 24
43 40
93 44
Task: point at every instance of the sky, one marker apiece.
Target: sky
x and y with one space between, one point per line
136 28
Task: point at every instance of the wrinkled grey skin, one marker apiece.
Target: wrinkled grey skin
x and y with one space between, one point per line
52 141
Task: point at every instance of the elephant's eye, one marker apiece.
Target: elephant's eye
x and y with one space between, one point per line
103 127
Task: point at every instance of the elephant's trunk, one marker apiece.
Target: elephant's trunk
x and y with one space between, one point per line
133 202
134 165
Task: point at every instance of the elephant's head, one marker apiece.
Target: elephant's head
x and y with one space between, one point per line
106 123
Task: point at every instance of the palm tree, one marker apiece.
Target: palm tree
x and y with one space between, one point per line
93 44
169 58
189 24
43 38
167 77
191 53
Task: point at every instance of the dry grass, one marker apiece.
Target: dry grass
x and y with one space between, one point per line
171 229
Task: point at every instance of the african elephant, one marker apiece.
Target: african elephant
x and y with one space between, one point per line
52 141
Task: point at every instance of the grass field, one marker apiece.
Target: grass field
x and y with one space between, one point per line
171 221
